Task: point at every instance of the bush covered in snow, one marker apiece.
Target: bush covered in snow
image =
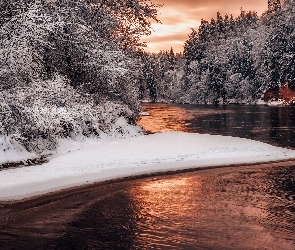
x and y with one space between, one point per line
44 111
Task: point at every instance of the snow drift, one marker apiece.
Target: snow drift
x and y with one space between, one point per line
92 160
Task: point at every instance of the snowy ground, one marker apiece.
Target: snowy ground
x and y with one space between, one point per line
91 160
11 151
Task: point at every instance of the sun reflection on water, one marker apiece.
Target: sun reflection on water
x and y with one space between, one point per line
164 207
164 118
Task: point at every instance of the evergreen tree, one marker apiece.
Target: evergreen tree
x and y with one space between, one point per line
280 47
171 59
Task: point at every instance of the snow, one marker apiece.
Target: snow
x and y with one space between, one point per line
144 113
276 103
90 160
12 151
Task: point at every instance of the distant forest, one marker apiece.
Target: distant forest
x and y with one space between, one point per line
228 60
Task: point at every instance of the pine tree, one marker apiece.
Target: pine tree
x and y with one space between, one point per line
171 59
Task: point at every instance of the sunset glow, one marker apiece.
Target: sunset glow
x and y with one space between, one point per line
179 17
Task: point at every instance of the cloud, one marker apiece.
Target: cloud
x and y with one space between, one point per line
179 37
179 16
227 4
165 46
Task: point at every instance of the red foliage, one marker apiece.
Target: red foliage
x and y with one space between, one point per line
285 94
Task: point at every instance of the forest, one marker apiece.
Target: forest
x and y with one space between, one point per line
71 68
229 60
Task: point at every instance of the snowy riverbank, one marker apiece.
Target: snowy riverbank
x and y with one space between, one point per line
90 160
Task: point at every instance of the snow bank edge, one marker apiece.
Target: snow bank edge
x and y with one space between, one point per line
28 191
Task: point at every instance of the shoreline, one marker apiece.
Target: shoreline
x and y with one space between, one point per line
39 200
91 161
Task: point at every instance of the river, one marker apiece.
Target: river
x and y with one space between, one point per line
246 207
271 124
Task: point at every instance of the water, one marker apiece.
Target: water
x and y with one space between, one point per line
249 207
271 124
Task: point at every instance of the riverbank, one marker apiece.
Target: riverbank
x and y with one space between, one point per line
40 200
91 161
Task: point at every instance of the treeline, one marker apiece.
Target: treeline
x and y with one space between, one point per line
236 60
160 76
69 68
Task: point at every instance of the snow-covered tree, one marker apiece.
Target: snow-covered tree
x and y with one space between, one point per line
69 67
162 76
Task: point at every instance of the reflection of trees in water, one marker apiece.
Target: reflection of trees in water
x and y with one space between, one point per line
282 120
106 224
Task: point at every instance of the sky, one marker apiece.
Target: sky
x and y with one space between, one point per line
179 16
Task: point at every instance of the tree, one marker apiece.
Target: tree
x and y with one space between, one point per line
279 47
149 75
273 6
171 59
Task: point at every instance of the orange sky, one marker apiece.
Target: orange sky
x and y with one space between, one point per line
179 16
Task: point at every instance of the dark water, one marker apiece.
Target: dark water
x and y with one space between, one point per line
248 207
272 124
